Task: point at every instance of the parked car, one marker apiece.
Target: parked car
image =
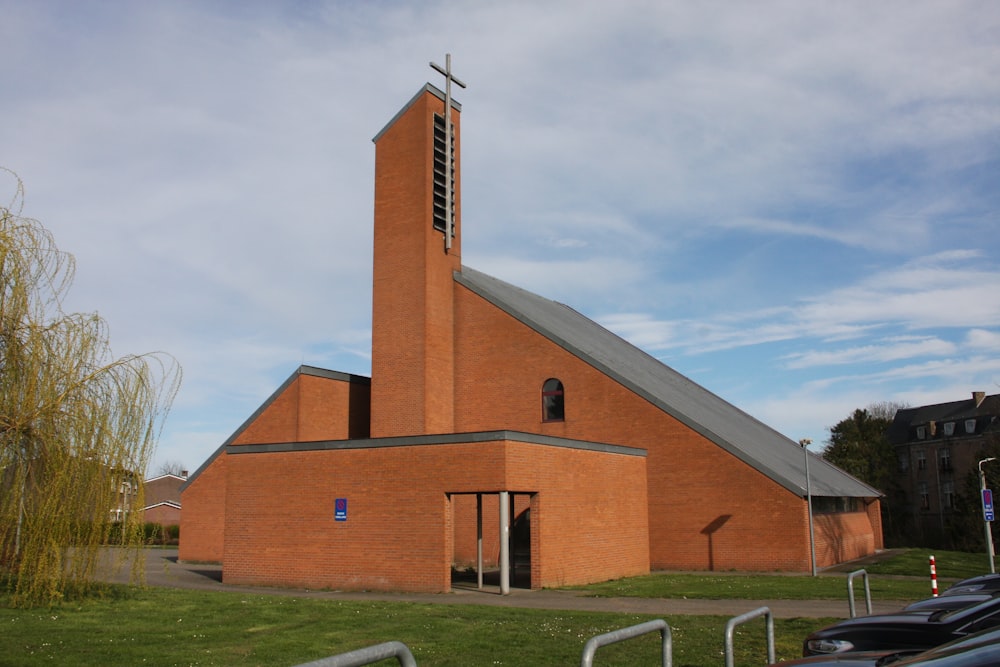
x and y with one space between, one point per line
977 656
961 594
984 583
913 630
963 646
949 602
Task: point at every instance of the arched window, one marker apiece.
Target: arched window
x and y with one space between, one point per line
553 408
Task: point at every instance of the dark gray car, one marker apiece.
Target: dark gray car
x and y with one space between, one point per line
965 645
949 602
914 630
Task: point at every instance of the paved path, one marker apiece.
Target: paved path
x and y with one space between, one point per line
163 570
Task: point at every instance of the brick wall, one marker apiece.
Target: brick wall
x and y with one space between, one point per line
874 512
165 515
707 509
842 537
399 534
203 518
165 487
311 408
412 325
590 523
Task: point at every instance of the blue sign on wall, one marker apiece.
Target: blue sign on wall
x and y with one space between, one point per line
987 505
340 509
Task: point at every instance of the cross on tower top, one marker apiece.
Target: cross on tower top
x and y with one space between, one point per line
446 71
449 177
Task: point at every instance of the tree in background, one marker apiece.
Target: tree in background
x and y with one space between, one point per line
174 468
858 445
77 427
965 529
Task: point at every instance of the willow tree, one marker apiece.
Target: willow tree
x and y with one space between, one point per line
77 426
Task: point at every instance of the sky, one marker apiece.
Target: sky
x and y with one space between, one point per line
795 204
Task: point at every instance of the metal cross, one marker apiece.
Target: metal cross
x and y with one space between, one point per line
448 178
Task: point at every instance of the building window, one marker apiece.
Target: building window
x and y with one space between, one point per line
970 425
944 458
553 406
921 432
948 495
835 505
925 499
949 428
921 459
904 461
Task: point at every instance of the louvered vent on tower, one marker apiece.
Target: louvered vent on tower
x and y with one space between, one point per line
444 168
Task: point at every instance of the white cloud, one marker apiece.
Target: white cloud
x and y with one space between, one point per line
776 181
892 349
981 339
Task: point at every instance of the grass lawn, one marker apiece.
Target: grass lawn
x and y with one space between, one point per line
759 587
949 564
904 577
181 627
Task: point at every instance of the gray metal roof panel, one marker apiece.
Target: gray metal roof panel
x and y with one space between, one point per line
747 438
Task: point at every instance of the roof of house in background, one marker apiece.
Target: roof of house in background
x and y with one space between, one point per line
984 409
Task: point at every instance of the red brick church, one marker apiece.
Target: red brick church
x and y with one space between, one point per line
499 429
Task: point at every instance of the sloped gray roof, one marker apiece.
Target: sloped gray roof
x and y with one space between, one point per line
750 440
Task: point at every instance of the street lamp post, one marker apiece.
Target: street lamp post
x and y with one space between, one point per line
986 519
804 443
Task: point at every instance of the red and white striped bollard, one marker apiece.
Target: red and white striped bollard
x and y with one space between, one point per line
934 592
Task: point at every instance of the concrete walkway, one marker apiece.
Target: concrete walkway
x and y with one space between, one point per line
163 570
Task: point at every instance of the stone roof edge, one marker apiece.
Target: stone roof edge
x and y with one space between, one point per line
427 88
171 503
431 440
166 474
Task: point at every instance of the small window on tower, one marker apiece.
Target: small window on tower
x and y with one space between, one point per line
553 407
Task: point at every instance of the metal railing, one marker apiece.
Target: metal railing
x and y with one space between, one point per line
615 636
739 620
368 656
850 592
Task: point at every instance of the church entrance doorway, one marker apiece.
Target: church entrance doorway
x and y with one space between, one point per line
491 539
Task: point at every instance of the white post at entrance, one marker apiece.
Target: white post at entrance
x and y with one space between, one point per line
504 543
479 539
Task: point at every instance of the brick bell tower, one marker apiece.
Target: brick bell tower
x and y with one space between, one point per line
418 247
